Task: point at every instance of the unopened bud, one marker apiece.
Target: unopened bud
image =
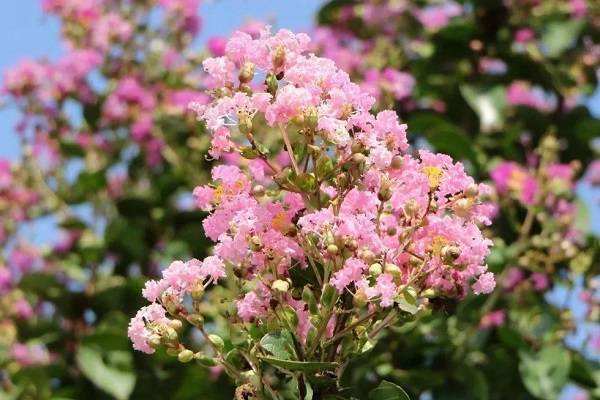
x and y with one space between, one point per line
397 162
185 356
195 319
245 123
450 253
385 193
175 324
411 208
217 341
366 255
360 299
154 341
392 269
170 334
332 249
272 84
255 243
258 190
280 285
351 244
357 147
375 269
246 72
278 57
358 158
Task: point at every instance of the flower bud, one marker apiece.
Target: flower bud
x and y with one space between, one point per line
246 72
366 255
197 292
272 84
278 57
375 269
195 319
450 253
351 244
411 208
385 193
217 341
280 285
392 269
358 158
357 147
170 334
205 360
245 123
255 243
360 299
185 356
258 190
332 249
397 162
175 324
154 341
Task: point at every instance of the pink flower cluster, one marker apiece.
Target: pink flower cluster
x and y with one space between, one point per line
520 93
376 217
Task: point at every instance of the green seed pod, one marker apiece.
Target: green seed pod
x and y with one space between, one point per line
185 356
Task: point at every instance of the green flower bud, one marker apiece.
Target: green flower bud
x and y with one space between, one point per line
217 341
246 72
280 285
185 356
375 269
332 249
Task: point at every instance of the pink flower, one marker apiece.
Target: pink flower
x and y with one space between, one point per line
485 283
540 281
140 330
524 35
350 273
493 319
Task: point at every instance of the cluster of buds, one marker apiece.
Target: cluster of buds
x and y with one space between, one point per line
324 249
545 191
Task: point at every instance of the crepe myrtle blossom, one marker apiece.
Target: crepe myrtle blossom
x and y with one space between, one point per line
375 228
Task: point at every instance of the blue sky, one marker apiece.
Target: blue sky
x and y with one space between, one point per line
26 32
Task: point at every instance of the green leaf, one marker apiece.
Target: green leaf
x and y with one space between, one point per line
388 391
545 373
303 366
406 304
559 36
115 375
280 345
